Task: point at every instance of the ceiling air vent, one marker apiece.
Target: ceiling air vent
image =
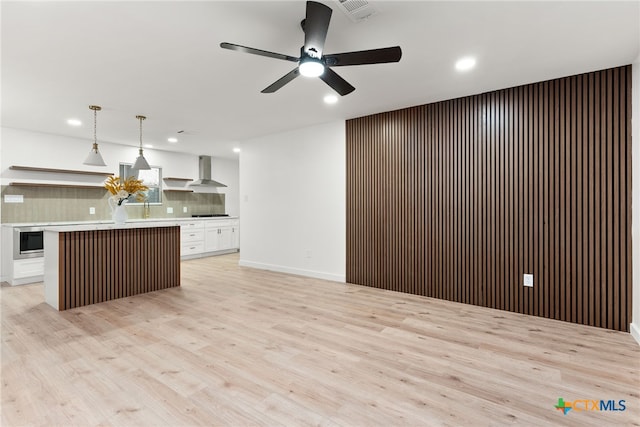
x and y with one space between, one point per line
356 10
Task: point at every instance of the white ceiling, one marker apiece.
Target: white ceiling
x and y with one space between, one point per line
163 60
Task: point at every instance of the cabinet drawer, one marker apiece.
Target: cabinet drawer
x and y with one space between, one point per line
191 235
192 248
28 267
191 226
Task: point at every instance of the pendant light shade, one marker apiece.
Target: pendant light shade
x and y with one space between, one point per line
141 163
94 158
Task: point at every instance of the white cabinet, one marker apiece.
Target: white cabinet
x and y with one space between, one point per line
191 238
221 235
235 235
18 271
30 267
225 238
28 270
217 236
211 239
207 237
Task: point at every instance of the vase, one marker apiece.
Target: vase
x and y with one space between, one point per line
119 212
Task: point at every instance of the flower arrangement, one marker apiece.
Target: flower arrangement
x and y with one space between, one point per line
121 190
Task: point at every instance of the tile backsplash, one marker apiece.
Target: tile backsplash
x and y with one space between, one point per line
50 204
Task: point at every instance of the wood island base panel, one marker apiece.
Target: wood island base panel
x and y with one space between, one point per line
93 266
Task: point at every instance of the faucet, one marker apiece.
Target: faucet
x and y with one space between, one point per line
146 209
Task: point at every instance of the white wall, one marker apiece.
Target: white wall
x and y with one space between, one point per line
635 198
293 202
25 148
226 171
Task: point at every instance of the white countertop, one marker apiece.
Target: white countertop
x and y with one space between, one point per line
109 222
111 226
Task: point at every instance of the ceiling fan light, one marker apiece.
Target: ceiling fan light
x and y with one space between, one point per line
311 68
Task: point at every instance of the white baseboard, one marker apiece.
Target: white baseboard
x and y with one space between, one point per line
635 331
291 270
26 280
208 254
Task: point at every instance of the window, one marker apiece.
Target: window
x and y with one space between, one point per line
151 178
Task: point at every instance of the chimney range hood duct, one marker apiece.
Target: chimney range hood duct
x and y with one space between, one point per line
204 163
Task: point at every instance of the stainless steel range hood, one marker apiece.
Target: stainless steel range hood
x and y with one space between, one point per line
204 163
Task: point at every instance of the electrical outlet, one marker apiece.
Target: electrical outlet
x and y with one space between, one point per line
307 254
92 211
169 210
184 209
13 198
527 280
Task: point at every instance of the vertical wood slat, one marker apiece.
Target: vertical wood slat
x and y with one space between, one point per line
458 199
102 265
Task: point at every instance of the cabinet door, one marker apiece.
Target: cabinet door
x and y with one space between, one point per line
211 239
225 238
235 237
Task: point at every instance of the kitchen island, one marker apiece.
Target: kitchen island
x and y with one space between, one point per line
88 264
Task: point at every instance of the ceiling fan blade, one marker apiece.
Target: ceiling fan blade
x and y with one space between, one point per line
336 82
373 56
260 52
282 81
316 25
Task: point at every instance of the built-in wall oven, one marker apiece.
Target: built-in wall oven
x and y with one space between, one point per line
28 242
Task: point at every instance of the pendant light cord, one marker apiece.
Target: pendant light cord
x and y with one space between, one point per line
141 118
95 109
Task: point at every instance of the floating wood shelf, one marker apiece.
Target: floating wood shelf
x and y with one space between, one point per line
39 184
170 178
177 190
32 169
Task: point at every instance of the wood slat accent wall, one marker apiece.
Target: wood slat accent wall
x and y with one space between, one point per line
101 265
458 199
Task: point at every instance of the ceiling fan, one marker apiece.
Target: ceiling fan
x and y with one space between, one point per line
312 63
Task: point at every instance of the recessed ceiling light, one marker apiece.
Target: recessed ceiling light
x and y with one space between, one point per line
236 150
148 146
74 122
172 140
465 64
330 99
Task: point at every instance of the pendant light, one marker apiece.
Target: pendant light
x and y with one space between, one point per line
94 158
141 163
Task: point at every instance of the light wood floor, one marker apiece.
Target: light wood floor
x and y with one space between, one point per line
237 346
